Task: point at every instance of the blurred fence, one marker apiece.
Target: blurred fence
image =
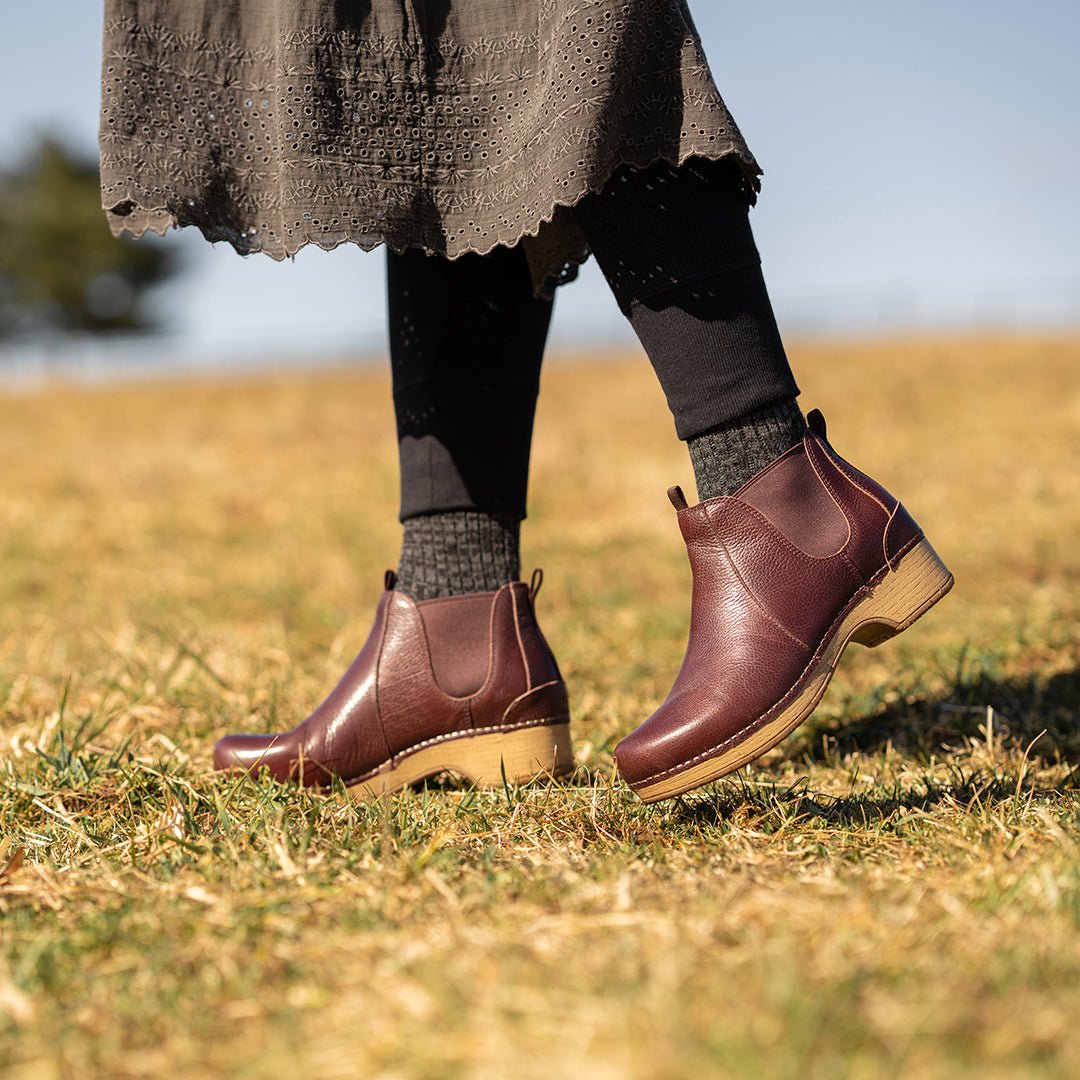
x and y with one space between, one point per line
586 320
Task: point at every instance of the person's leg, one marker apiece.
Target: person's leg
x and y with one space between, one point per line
676 248
810 553
466 343
455 675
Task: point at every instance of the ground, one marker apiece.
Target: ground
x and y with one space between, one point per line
893 890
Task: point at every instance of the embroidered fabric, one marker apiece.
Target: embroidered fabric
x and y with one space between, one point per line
444 125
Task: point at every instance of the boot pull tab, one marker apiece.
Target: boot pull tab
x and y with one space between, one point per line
389 580
816 423
535 582
678 499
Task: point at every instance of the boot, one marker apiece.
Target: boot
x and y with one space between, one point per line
462 684
808 555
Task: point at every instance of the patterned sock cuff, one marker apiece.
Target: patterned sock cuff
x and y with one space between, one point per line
727 456
458 552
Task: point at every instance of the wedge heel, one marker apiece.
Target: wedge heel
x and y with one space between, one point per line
919 581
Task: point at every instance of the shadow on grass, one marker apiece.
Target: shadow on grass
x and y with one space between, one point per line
968 793
1034 709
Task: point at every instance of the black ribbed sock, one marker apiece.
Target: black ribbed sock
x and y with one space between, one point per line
676 247
727 456
457 552
716 349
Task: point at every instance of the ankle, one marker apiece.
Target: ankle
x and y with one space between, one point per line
727 456
456 552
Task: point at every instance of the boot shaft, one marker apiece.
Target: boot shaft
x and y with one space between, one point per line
815 500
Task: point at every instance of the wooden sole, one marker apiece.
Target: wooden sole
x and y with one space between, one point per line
517 756
891 604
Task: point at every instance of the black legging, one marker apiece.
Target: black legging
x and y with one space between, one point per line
466 342
467 336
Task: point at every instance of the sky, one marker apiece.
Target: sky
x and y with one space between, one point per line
922 164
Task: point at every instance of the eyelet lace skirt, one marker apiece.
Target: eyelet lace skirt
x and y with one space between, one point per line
447 125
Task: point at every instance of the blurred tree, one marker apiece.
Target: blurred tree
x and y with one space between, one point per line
60 267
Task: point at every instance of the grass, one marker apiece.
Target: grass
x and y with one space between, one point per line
894 890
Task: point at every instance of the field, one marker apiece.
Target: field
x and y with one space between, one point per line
893 891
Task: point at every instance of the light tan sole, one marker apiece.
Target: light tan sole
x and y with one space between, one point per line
519 756
892 604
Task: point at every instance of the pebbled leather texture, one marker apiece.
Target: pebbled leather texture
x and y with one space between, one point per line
773 568
421 674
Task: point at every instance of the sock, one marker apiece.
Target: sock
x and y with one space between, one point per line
457 552
716 349
729 455
676 247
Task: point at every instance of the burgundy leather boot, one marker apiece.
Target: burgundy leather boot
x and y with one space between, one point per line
464 684
808 555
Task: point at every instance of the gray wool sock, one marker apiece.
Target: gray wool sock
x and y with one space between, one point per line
457 552
729 455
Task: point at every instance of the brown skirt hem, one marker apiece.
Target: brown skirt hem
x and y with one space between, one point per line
127 217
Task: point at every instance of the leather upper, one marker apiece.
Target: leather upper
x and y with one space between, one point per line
428 671
774 566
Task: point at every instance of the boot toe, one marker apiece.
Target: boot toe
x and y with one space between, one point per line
250 753
644 754
689 722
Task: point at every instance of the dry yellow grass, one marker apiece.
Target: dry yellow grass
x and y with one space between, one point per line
894 890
